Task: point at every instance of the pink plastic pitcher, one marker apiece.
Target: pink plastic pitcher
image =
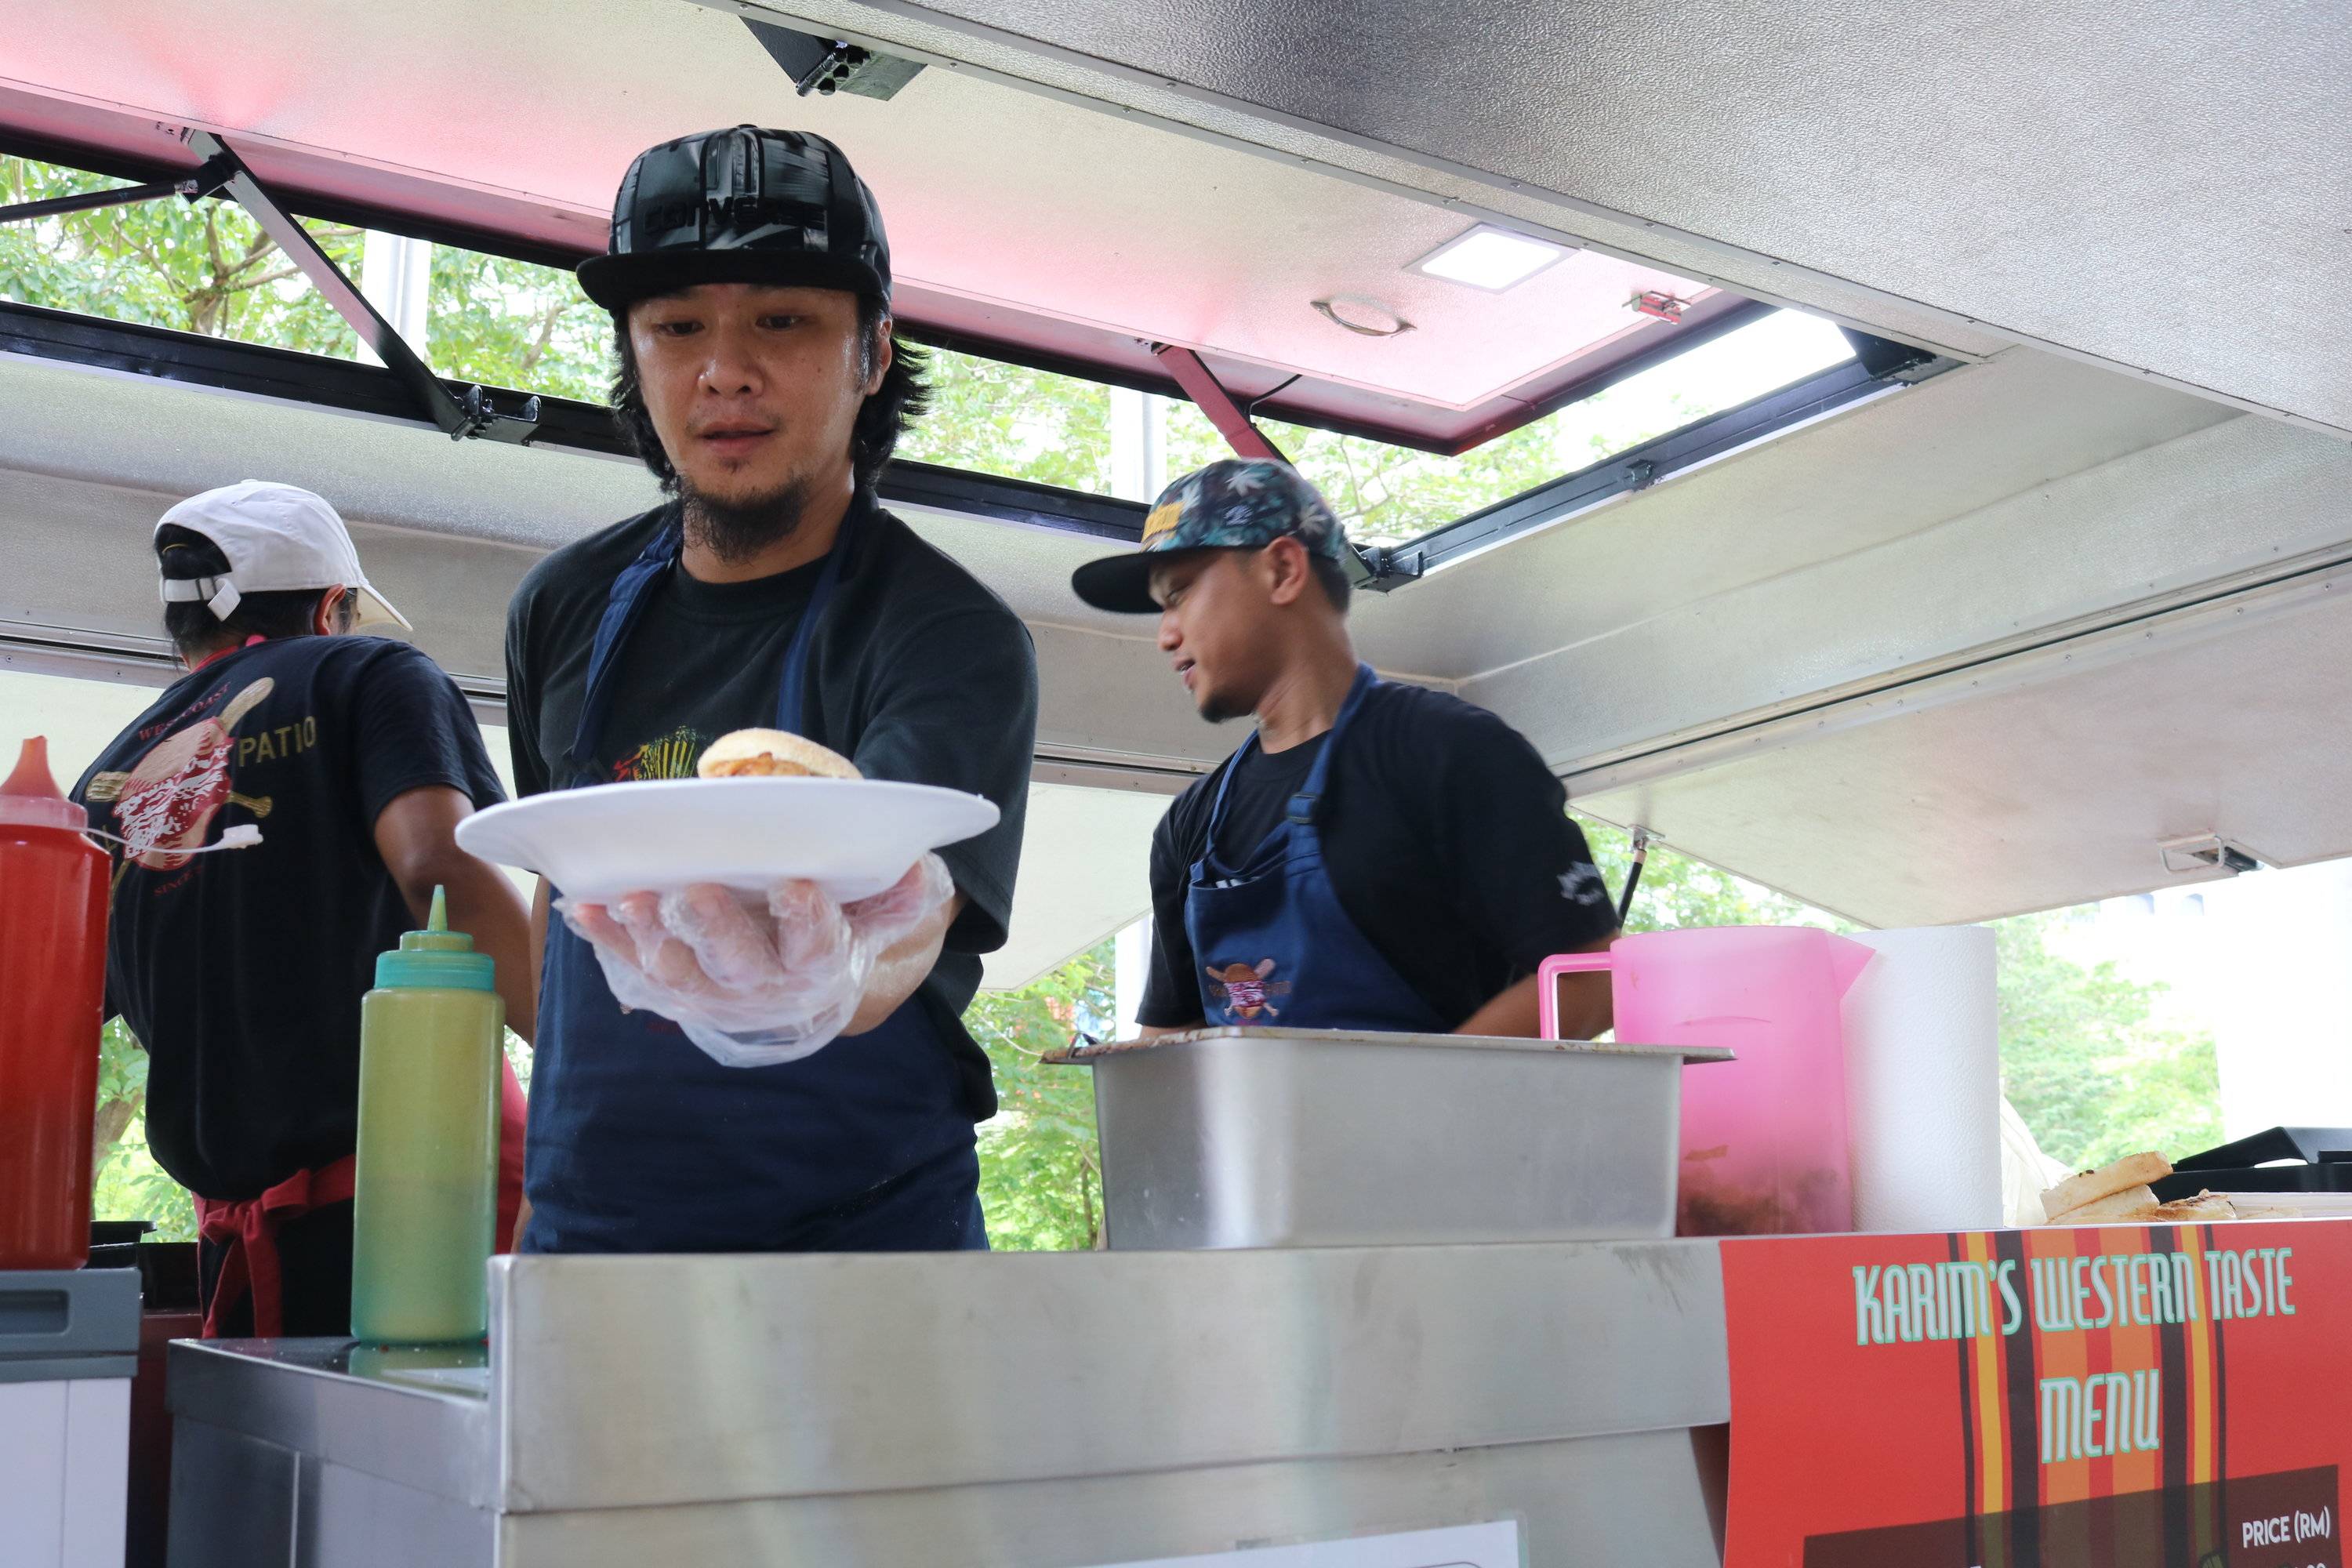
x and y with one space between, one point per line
1763 1136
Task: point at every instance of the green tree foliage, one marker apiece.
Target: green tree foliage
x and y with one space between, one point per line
127 1183
206 267
202 267
2088 1063
1040 1169
510 323
1023 423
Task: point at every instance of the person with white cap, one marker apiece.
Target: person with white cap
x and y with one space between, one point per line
353 758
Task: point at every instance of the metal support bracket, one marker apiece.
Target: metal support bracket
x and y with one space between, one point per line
1388 567
204 182
1245 439
824 64
2207 852
1640 857
467 413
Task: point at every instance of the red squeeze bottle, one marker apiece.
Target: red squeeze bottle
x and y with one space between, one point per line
52 888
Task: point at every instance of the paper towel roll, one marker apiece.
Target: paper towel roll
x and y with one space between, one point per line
1923 1082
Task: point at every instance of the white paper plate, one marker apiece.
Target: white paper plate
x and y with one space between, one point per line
853 836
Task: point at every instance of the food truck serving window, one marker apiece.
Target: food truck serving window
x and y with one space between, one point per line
208 267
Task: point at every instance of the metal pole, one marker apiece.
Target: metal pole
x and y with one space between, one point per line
339 291
397 276
121 195
1633 872
1201 387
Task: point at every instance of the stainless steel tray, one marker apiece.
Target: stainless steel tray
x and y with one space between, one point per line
1310 1138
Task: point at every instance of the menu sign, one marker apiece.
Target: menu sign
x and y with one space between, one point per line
2120 1396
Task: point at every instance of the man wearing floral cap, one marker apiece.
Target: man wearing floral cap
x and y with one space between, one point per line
1375 856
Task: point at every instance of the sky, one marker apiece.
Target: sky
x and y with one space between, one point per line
1783 347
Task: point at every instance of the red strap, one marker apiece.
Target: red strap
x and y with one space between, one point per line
513 1113
248 1228
211 658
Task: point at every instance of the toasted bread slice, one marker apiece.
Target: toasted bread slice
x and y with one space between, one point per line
2131 1171
2199 1210
2116 1208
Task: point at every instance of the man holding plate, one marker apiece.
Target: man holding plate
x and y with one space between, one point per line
749 284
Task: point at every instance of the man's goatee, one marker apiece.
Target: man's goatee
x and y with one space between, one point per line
738 530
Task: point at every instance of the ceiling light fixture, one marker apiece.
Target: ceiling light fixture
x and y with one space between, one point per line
1490 257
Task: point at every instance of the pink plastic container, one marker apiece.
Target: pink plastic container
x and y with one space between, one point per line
1764 1136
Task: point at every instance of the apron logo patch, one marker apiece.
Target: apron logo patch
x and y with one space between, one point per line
1245 991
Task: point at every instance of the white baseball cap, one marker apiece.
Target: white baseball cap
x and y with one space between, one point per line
277 537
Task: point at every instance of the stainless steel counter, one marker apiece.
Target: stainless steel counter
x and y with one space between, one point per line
1038 1410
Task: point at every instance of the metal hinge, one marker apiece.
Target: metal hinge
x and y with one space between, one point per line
1658 303
483 421
2206 852
1387 567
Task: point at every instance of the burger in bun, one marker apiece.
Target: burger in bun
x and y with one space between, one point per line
771 754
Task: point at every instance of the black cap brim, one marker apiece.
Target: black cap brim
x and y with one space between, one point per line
1122 583
617 282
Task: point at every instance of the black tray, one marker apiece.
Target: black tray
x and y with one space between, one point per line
167 1276
2325 1164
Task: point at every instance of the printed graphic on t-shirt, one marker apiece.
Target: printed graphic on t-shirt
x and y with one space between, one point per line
165 804
1583 884
1247 989
671 757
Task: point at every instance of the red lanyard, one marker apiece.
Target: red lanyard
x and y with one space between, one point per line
212 658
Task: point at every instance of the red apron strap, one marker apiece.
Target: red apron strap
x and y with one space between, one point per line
248 1231
514 1112
248 1228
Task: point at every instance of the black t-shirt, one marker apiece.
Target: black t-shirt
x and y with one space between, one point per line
241 971
917 673
1447 841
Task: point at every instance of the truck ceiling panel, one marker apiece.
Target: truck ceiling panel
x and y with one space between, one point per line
1898 466
2162 187
1017 220
2054 789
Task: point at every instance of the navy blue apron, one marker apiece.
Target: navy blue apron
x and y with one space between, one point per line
1275 946
639 1143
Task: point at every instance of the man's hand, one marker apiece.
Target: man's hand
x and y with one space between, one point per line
780 978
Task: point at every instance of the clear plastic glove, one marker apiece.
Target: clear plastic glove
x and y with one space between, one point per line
753 979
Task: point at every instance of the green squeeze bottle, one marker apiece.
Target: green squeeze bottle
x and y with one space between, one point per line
425 1191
